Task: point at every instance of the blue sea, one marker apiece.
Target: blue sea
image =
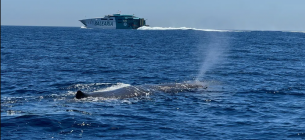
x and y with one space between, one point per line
255 83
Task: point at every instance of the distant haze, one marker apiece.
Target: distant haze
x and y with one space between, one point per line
202 14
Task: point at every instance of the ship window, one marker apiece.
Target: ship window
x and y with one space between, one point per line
110 19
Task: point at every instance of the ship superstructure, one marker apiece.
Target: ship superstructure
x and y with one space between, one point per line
115 21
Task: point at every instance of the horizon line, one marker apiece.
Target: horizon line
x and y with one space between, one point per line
169 27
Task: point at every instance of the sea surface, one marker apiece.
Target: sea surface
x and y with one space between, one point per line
255 83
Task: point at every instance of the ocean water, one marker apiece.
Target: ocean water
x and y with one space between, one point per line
255 80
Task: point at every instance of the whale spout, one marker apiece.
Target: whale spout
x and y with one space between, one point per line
80 95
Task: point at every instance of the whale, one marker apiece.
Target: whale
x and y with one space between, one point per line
142 90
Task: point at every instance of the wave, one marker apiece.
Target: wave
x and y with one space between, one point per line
181 28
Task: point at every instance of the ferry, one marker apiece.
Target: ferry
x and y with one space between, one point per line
115 21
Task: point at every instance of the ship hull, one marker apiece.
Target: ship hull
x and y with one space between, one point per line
99 23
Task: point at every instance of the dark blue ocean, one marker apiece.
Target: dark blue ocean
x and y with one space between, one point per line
255 83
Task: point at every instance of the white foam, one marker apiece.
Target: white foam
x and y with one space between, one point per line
114 87
92 84
84 27
180 28
295 31
70 93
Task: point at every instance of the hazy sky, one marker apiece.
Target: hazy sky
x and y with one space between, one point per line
203 14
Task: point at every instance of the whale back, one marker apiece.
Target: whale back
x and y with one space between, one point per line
177 87
133 91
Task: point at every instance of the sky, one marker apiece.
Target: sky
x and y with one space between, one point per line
280 15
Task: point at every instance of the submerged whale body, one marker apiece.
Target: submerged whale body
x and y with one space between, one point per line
133 91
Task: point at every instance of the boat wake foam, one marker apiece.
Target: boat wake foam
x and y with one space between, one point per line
181 28
84 27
